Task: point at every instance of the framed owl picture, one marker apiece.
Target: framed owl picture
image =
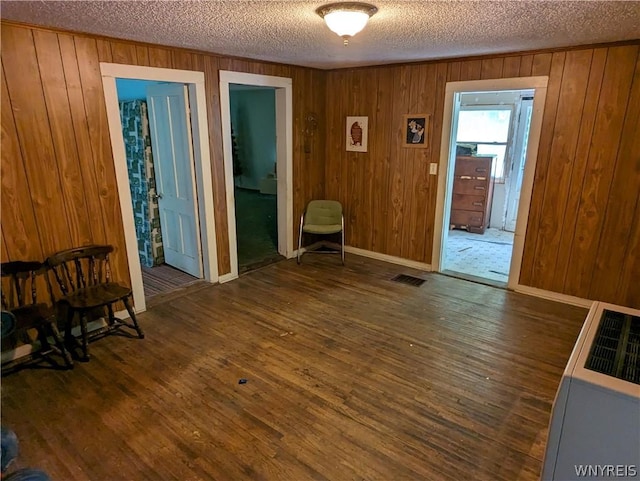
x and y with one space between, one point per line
357 134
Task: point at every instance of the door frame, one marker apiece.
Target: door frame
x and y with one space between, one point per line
445 174
284 158
203 178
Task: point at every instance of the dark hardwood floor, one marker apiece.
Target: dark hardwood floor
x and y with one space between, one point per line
350 376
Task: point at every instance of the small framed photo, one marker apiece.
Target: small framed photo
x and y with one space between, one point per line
416 127
357 134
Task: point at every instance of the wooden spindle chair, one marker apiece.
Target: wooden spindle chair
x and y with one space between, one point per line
22 280
84 277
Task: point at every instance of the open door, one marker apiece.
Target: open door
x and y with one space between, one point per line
170 126
517 167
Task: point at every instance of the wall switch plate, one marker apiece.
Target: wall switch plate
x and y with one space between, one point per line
433 168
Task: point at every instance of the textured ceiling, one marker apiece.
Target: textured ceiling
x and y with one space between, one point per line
291 32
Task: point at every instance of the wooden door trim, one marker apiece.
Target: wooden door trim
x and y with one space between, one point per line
284 149
539 84
197 100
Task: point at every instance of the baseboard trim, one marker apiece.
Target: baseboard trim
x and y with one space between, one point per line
553 296
387 258
227 277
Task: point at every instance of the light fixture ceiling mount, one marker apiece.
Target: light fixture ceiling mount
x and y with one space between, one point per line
346 18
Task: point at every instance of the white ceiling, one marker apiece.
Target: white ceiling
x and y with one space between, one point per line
291 32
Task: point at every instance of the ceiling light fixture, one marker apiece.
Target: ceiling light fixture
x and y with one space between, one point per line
346 18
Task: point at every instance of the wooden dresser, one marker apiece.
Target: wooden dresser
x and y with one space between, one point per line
472 193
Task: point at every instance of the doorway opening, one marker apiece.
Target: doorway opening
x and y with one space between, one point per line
156 130
491 138
180 200
486 178
257 128
254 152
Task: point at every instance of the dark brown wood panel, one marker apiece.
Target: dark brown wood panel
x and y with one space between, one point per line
453 71
410 175
104 50
418 193
577 178
381 148
64 140
397 176
83 139
618 225
429 212
18 217
365 170
628 280
335 129
182 60
471 70
360 378
96 111
541 64
4 253
142 55
562 154
34 134
122 52
357 190
159 57
217 163
543 161
492 68
511 67
526 62
601 165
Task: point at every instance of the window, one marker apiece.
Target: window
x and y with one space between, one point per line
489 129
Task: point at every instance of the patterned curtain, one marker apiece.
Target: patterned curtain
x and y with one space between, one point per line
137 142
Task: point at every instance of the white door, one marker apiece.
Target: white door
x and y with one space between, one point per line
517 168
170 126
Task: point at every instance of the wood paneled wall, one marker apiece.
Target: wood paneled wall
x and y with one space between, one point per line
583 236
583 233
58 179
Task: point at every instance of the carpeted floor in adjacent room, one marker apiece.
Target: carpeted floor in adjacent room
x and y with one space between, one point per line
256 229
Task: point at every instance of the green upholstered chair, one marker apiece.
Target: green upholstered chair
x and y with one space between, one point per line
322 217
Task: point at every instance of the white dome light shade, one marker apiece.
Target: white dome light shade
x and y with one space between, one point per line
346 18
344 22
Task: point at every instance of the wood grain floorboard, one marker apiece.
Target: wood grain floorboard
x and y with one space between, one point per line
350 377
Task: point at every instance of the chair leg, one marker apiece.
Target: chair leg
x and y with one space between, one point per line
300 239
84 336
44 341
134 319
112 317
68 336
60 344
342 244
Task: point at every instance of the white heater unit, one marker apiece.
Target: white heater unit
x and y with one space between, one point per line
594 431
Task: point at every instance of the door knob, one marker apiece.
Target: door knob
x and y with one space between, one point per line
156 196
